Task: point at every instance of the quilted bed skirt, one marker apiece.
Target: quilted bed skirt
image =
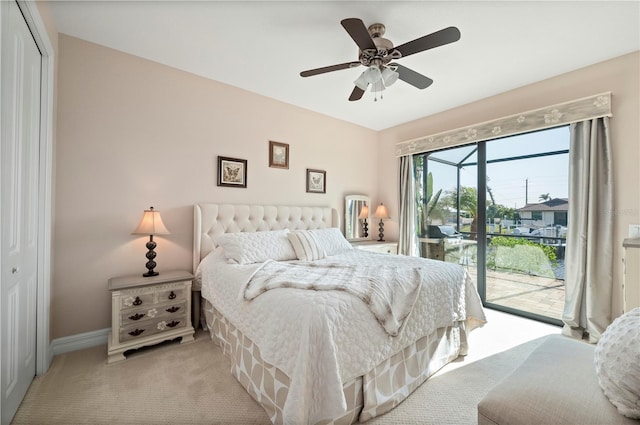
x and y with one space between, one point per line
367 396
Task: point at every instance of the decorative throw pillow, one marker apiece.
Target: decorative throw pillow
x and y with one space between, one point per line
256 247
305 245
617 360
331 240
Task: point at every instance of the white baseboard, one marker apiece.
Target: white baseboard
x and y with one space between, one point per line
79 341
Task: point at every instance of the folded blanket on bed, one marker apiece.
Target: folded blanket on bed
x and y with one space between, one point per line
389 292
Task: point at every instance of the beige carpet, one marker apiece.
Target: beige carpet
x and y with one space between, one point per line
191 384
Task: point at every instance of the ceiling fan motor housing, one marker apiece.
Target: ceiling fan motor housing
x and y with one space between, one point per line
384 52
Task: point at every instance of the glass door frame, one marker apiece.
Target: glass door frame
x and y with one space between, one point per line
481 235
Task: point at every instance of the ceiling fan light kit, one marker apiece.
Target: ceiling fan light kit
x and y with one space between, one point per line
377 54
389 76
372 74
361 82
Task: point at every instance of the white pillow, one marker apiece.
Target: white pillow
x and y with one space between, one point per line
305 246
256 247
331 240
617 360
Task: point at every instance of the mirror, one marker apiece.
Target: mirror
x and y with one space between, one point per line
355 226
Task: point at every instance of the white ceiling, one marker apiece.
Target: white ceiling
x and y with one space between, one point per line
262 46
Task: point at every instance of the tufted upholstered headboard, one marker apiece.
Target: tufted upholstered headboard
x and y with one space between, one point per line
213 219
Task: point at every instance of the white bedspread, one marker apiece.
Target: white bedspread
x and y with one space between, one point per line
321 339
389 292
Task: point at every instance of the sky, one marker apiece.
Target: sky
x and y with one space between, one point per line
513 182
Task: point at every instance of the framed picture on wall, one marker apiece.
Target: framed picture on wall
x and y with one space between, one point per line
316 181
278 155
232 172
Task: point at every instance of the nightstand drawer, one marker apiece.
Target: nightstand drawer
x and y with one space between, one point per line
136 301
153 312
172 295
143 330
381 247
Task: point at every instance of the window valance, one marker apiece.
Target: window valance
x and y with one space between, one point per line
595 106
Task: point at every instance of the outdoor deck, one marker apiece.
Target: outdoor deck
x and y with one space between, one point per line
522 291
535 294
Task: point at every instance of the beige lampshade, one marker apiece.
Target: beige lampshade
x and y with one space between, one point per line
364 212
151 224
381 212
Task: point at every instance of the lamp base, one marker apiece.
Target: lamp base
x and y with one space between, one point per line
365 228
151 254
381 232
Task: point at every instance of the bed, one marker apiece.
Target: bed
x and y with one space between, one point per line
323 350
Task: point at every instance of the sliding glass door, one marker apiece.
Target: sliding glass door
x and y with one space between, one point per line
499 208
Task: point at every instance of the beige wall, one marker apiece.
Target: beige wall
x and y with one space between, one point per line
133 133
620 76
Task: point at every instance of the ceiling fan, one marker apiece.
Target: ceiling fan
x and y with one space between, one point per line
378 55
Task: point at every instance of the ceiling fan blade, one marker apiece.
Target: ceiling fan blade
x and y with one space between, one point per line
324 69
436 39
356 29
412 77
356 94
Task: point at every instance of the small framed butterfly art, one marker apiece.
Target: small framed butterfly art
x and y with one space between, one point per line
316 181
232 172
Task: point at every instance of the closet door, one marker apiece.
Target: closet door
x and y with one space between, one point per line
19 177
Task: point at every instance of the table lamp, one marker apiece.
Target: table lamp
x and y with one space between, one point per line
381 213
151 224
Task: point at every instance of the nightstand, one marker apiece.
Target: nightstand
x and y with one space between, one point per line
149 310
383 247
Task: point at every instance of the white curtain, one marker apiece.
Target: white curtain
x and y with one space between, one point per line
407 239
589 252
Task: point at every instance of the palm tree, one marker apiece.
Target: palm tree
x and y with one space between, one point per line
428 207
469 203
544 197
490 192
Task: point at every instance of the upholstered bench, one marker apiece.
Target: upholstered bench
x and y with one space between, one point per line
557 384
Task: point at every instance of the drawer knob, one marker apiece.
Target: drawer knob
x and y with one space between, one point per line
136 332
137 316
173 323
172 295
137 301
173 309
